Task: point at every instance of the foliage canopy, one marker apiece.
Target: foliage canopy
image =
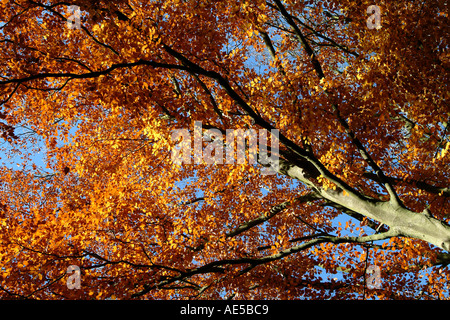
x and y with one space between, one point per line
363 175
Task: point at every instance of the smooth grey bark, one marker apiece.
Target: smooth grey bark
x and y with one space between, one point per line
400 220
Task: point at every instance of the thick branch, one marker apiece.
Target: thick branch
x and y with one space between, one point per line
225 84
95 73
272 212
210 95
309 51
406 222
270 47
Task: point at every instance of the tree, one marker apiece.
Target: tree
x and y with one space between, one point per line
358 207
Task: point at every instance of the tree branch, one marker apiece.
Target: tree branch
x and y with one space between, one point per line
318 68
50 8
216 266
272 212
309 51
95 74
445 191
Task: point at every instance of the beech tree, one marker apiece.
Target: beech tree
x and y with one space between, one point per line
92 92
